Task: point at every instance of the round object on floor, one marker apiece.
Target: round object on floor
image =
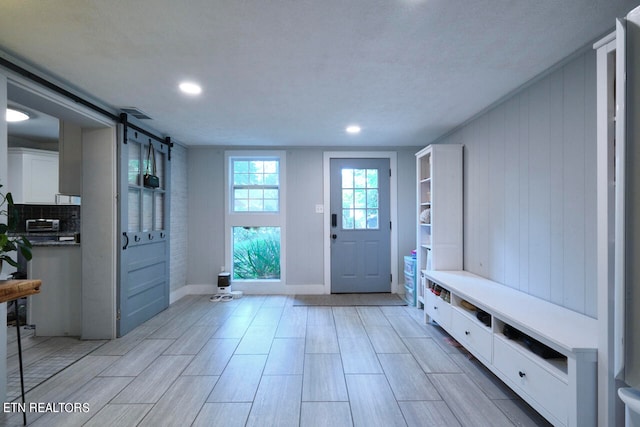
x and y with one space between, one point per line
236 294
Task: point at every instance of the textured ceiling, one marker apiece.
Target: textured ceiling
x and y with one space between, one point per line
296 72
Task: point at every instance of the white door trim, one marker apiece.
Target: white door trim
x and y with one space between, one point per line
393 200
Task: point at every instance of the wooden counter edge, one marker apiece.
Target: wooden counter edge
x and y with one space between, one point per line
14 289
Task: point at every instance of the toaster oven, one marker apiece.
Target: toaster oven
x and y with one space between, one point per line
42 225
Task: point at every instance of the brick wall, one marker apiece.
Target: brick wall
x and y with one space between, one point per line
178 222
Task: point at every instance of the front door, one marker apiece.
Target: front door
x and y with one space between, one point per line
143 286
360 225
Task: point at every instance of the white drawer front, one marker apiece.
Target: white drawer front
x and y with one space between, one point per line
473 336
532 378
438 310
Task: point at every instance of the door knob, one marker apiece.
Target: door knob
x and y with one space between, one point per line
334 236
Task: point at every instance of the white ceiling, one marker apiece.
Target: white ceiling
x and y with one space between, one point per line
296 72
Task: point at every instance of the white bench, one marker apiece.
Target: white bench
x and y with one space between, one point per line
562 389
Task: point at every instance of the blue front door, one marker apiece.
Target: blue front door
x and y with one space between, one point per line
360 225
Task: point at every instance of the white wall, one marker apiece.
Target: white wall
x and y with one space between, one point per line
305 228
305 239
98 229
206 214
530 188
407 209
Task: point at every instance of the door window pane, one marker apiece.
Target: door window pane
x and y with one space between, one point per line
360 199
160 167
133 212
147 210
347 219
159 211
134 163
359 216
347 199
347 178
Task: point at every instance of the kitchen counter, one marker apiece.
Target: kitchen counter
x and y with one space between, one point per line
53 239
14 289
54 243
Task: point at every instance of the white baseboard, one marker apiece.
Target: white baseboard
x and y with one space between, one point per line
191 290
249 289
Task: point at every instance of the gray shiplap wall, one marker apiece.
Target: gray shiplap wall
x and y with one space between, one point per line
530 188
305 232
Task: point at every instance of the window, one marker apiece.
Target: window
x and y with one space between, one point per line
256 185
360 199
256 253
254 217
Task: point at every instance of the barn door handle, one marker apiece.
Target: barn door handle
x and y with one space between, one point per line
126 243
334 220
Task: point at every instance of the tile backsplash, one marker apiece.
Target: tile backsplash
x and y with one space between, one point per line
69 216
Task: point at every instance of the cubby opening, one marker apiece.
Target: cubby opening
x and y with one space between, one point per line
472 311
543 354
438 291
425 167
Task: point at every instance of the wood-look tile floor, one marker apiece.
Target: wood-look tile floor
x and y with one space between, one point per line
261 361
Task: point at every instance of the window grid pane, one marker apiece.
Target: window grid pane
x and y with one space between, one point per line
360 199
255 185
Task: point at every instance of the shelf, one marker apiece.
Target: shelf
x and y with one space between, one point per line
439 199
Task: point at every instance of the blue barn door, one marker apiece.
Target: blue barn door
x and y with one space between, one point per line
143 288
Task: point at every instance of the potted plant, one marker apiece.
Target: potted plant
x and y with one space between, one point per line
9 240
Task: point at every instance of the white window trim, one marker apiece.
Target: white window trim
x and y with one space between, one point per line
256 219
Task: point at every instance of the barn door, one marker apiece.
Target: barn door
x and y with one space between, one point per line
143 288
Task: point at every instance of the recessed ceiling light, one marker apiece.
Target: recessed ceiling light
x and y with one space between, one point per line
16 116
353 129
190 88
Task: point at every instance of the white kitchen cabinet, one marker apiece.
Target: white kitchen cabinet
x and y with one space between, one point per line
563 387
439 201
33 175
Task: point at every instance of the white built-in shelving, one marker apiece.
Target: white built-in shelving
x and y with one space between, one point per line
439 201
